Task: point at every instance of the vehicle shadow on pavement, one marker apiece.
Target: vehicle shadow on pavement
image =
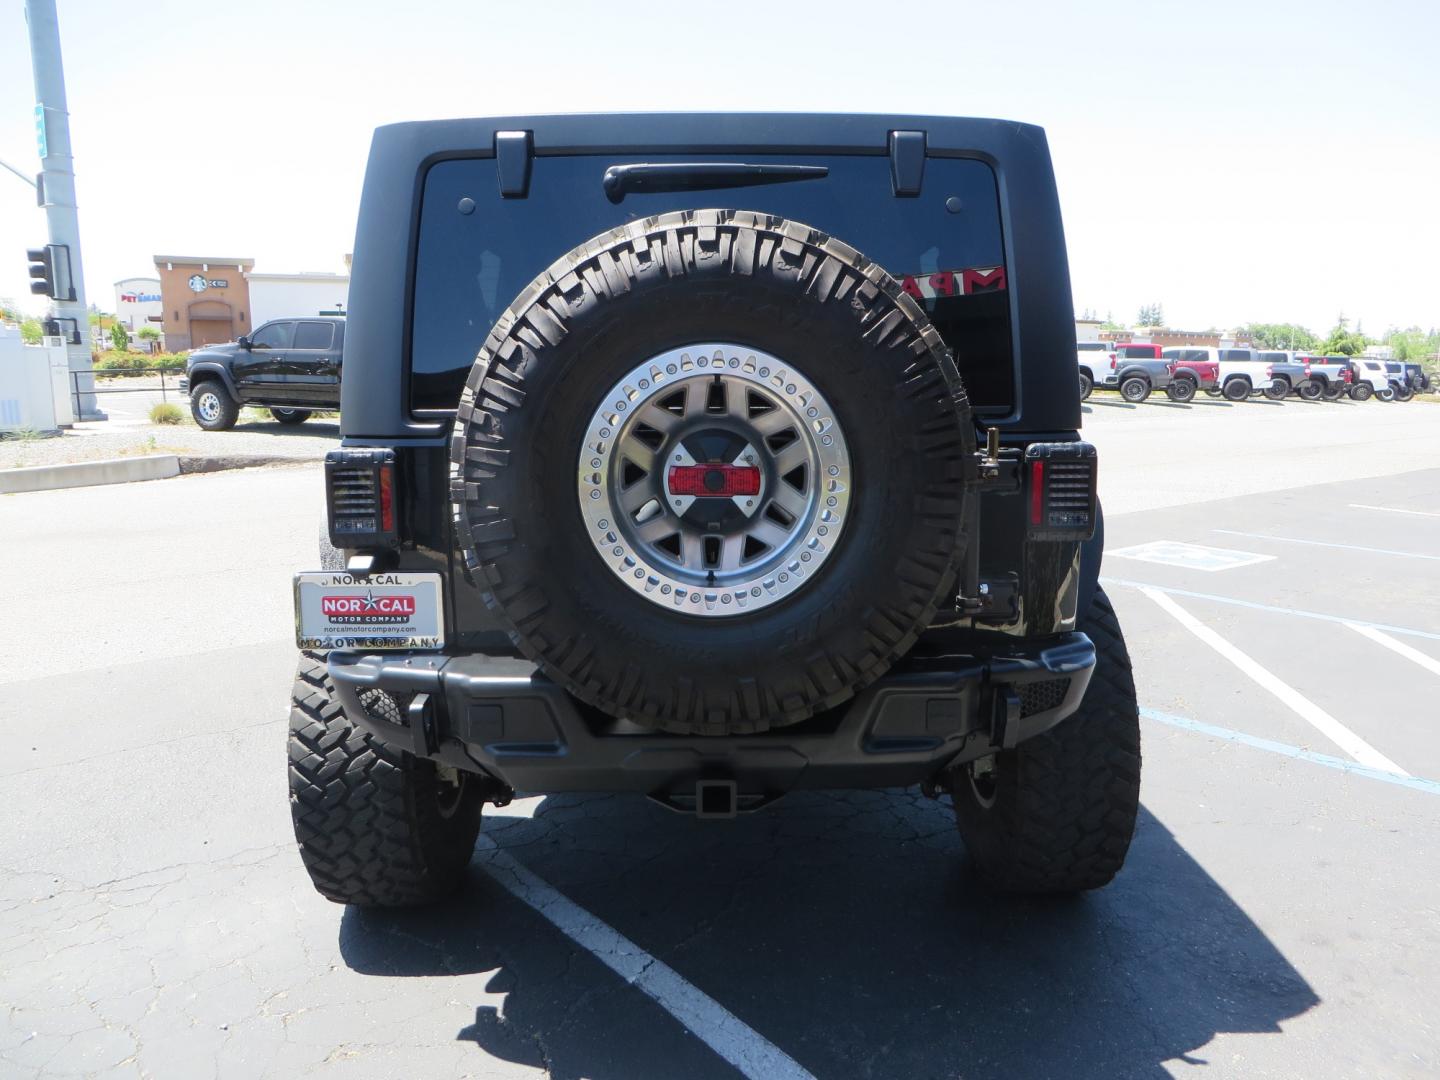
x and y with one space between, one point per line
846 929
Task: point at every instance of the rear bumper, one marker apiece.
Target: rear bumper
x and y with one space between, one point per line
502 717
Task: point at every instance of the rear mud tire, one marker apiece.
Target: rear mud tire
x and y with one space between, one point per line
1087 385
290 416
377 827
664 283
1361 392
1312 391
1278 390
1057 813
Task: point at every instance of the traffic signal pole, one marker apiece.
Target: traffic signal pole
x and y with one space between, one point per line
52 129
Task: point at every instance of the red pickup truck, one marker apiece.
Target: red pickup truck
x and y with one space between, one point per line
1194 371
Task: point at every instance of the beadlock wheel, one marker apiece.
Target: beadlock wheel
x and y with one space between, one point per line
714 479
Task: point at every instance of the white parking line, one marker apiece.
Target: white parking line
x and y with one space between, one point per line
1415 783
1409 631
1394 510
1429 663
1302 706
704 1017
1327 544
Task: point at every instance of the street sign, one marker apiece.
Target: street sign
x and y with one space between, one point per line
40 140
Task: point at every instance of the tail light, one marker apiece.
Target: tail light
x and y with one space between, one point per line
1112 361
1060 483
1270 372
1170 368
361 497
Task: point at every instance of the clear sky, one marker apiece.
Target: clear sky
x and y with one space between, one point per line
1235 161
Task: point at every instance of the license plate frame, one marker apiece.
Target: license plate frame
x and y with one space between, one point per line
384 611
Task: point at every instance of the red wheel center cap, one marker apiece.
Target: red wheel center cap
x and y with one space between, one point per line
713 481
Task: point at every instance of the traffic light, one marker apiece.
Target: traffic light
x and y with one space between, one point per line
50 272
42 271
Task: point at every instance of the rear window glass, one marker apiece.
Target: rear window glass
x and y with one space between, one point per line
469 267
1137 352
1092 346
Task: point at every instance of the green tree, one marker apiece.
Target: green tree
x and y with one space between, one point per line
119 339
1151 315
1279 336
31 331
1414 344
148 333
1343 340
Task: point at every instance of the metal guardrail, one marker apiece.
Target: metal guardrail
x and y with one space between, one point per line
96 374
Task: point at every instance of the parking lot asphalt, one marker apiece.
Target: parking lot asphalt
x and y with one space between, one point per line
1277 917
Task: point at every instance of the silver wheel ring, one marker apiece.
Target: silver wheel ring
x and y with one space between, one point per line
776 574
209 405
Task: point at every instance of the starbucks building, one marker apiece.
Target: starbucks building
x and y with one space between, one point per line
205 300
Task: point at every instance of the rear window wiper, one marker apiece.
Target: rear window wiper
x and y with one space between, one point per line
699 175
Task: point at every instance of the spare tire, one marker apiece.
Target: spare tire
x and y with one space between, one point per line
711 471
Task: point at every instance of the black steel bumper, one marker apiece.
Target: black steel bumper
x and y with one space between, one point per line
502 717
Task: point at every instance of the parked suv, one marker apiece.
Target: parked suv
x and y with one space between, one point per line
291 366
1371 378
706 458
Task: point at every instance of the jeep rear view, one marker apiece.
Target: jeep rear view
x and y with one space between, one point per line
709 457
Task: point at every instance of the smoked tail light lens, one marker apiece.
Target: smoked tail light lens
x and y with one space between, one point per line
361 498
1061 481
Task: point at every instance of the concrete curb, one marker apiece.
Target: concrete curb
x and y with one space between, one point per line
198 464
127 470
89 473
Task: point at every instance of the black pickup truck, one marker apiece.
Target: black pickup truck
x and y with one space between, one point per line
290 366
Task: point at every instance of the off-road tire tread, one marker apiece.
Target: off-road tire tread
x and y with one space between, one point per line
364 832
1065 823
229 407
755 244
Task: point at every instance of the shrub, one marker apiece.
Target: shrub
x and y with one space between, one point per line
165 413
119 338
110 360
148 333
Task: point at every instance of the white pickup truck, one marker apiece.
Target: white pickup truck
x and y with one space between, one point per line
1243 373
1097 366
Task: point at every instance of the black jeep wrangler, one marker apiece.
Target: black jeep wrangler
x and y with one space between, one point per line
709 457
